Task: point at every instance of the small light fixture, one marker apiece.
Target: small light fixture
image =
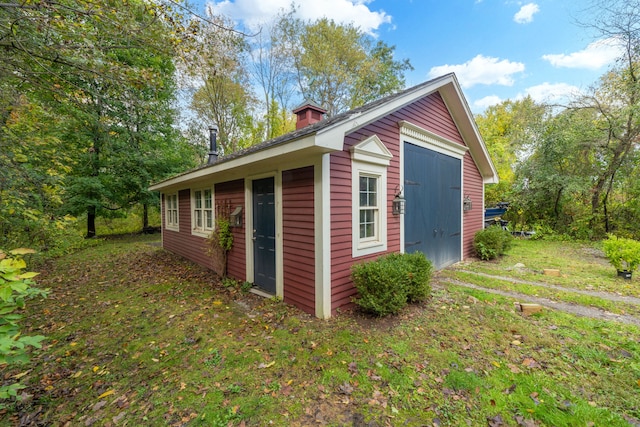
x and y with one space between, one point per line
398 204
466 204
235 219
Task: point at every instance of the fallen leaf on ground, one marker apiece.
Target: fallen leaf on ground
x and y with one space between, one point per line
106 393
267 365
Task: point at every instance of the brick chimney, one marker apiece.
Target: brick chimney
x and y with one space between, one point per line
308 113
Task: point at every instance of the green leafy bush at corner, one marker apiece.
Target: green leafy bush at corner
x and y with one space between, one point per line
623 254
492 242
15 288
387 284
418 276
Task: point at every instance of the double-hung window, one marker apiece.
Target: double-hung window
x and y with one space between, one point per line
171 211
202 202
369 162
369 208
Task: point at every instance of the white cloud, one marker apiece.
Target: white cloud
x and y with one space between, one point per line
487 101
255 12
481 70
551 92
526 12
594 56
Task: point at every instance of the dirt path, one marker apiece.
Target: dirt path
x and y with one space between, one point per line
576 309
604 295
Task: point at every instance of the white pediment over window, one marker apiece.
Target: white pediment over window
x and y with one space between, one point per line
371 150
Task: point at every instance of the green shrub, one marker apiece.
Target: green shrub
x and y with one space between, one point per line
418 276
15 289
492 242
623 254
388 283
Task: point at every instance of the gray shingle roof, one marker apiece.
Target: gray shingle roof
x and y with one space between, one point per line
299 133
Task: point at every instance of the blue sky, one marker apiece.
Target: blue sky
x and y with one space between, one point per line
499 49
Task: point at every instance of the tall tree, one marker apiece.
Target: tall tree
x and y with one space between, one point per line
552 182
219 81
338 66
509 130
615 100
34 160
272 69
95 63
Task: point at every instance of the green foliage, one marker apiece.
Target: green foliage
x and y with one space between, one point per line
219 243
622 253
338 66
34 160
90 125
214 358
506 129
492 242
225 236
388 283
15 288
418 276
246 286
223 94
228 282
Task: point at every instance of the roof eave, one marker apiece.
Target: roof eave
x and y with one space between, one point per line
305 144
461 113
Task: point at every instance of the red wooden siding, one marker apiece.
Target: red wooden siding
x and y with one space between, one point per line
231 194
194 247
184 243
473 220
298 238
429 113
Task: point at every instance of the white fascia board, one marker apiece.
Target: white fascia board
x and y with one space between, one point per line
284 148
462 116
332 137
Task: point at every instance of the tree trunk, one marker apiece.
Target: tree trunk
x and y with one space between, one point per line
91 222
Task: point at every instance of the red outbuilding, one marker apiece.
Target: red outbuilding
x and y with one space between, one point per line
402 174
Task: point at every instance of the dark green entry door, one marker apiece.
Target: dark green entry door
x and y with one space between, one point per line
264 235
433 205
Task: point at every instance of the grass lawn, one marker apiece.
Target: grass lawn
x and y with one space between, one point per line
138 336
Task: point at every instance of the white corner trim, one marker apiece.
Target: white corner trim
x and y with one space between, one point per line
322 220
371 150
432 140
248 230
277 187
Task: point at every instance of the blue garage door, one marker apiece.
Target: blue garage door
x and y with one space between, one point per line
433 205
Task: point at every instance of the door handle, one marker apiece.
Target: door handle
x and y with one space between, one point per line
254 235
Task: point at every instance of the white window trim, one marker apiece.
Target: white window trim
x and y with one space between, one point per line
170 225
369 158
203 231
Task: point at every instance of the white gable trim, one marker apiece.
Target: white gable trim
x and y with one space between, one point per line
371 150
430 140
